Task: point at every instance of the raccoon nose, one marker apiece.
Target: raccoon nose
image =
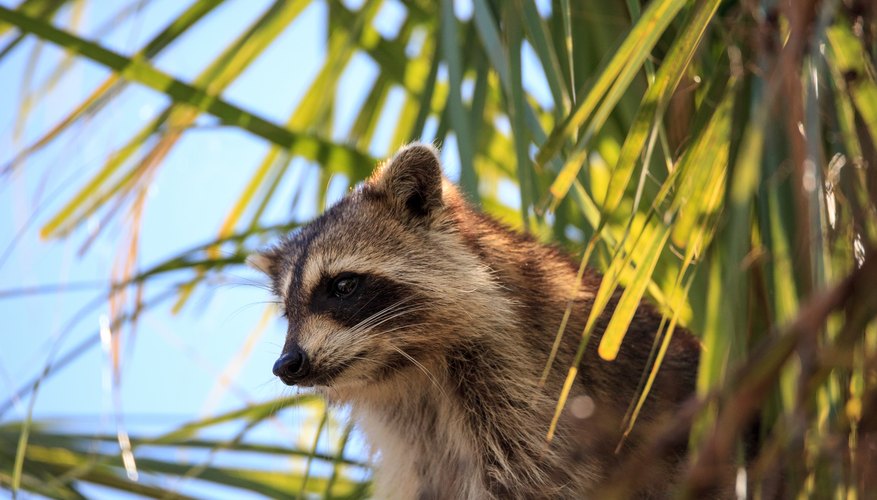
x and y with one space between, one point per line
291 366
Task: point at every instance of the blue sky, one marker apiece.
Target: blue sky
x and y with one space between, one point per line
170 368
195 188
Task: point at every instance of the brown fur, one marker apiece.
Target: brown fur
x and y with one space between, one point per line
440 354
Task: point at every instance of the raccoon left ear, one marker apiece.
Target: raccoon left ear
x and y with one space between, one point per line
413 180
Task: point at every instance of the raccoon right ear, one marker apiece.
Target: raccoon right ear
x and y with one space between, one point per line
262 261
413 180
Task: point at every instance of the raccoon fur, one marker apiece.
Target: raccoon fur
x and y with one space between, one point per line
434 322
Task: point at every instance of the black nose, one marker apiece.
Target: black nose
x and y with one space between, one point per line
291 366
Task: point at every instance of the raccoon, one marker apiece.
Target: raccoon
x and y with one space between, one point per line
434 322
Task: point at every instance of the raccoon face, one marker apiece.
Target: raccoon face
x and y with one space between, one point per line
364 286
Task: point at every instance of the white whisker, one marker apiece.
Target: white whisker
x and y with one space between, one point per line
422 368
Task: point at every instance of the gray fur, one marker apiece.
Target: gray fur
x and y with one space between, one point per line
443 379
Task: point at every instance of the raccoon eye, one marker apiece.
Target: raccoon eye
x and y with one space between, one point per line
344 285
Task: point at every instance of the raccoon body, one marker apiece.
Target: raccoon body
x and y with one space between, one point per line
434 323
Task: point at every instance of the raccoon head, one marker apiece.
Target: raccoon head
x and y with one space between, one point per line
381 282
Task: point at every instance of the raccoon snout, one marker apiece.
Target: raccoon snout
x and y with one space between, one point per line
292 366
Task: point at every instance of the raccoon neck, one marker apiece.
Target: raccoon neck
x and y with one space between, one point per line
464 431
539 281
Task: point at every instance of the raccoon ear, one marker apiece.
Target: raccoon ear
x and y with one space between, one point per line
413 180
262 261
